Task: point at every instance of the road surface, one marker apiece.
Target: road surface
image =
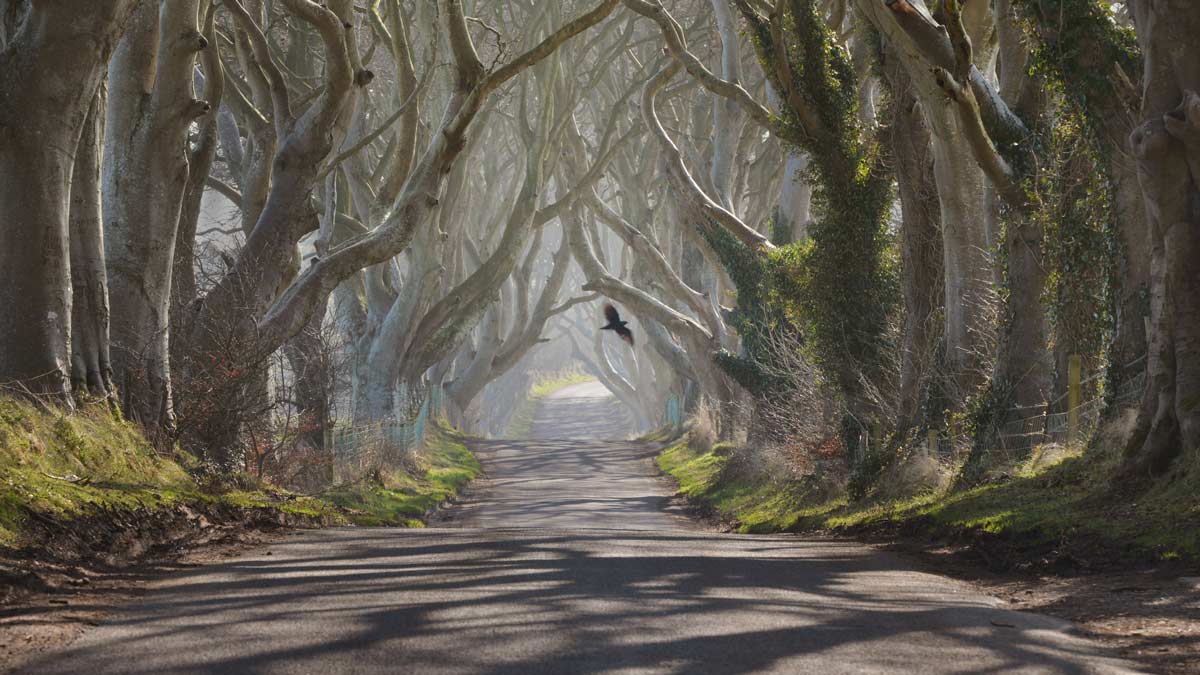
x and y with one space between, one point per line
569 564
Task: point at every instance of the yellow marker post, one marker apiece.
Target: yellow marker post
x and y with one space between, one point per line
1074 373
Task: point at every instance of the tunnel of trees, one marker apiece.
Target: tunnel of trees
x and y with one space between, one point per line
854 231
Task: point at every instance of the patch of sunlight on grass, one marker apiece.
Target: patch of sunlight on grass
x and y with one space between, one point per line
67 465
1057 493
405 498
547 387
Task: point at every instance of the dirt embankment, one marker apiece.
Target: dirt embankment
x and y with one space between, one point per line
84 567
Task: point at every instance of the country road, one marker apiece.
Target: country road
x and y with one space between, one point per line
567 558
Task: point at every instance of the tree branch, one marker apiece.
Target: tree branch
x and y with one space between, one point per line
549 45
677 45
686 183
280 101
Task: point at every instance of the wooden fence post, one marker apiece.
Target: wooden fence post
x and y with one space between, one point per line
933 442
1074 374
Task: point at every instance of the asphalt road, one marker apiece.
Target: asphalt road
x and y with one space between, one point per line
566 476
570 566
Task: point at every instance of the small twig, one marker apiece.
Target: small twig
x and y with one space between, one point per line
69 478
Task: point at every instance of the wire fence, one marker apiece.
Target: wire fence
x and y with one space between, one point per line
1073 425
1074 422
361 450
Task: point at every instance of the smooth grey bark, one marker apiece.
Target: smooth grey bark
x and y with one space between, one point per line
402 152
1024 364
440 328
967 265
526 333
967 260
728 116
625 390
391 315
200 161
1167 148
91 367
920 242
227 352
252 162
150 108
467 384
418 198
50 68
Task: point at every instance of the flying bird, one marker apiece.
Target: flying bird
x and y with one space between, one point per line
616 324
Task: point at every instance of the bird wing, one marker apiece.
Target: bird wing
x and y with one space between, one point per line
611 314
625 335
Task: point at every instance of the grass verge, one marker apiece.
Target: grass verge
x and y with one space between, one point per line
406 497
66 473
1065 512
59 467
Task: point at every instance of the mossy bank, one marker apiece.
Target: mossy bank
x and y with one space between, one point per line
1064 513
88 484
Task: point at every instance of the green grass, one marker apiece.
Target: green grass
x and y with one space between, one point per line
521 424
1069 503
445 465
67 465
749 504
110 467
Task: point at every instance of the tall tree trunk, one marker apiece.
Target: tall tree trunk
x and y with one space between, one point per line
795 202
728 116
1131 282
1167 149
150 109
91 369
314 377
920 240
968 268
49 72
200 161
967 261
1076 38
1024 365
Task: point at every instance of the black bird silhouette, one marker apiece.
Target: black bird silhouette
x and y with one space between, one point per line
616 324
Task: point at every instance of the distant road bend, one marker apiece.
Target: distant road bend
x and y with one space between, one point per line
567 560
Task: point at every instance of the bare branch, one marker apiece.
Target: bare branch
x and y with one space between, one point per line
549 45
686 183
677 45
280 100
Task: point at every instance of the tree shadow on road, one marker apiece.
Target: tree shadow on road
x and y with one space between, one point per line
523 601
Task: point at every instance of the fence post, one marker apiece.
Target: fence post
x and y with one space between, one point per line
933 442
1074 373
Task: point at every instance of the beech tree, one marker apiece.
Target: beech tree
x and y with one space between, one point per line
151 107
903 216
49 77
226 315
1166 145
